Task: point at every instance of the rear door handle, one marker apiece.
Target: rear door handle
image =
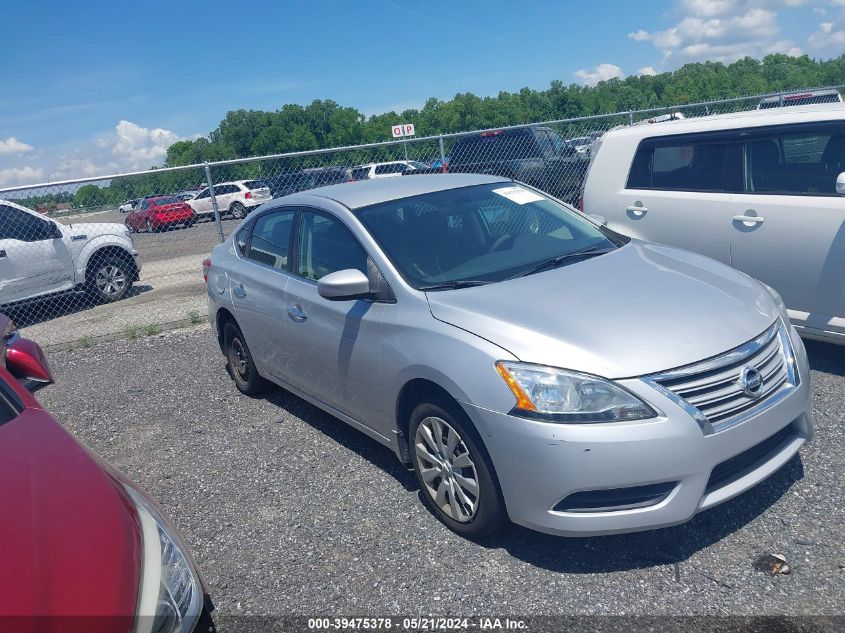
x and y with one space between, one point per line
239 291
296 314
751 219
637 209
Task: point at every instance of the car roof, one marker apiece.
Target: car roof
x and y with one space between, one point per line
732 120
364 193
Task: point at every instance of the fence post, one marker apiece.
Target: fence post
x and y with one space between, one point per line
210 183
630 118
780 99
442 156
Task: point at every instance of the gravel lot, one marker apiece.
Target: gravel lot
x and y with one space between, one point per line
289 511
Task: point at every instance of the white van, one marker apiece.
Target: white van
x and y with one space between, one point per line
761 191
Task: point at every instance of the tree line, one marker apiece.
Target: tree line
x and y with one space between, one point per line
325 123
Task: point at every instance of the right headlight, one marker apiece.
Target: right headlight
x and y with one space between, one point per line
559 395
170 599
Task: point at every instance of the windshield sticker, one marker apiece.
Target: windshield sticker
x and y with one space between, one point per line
518 195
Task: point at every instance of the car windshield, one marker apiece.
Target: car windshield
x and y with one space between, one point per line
158 202
480 234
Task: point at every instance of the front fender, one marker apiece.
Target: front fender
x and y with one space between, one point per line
92 246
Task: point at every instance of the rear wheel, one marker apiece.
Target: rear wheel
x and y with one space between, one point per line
109 278
239 362
458 483
237 210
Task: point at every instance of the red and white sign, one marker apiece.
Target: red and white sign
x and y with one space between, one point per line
403 129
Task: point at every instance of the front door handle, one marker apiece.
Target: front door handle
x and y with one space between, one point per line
239 291
749 219
2 253
637 209
296 314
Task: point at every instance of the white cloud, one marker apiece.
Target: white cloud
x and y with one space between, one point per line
20 176
647 71
139 147
829 38
601 72
722 30
13 146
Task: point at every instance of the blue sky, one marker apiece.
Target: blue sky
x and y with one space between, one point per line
103 87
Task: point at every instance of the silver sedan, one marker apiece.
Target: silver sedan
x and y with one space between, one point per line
530 363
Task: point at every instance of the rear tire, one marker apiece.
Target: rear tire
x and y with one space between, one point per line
239 362
237 210
458 484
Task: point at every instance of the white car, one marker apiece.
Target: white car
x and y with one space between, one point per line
387 170
127 206
761 191
236 198
39 257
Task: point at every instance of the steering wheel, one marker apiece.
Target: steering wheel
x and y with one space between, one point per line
500 241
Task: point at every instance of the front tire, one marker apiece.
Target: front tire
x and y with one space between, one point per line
457 481
109 279
150 228
239 362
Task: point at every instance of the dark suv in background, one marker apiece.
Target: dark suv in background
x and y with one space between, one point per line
286 184
537 156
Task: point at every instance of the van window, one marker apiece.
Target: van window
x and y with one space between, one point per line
794 162
681 164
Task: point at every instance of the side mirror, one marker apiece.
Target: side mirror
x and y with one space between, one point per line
598 218
840 184
26 361
344 285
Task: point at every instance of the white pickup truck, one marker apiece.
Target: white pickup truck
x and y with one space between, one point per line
41 257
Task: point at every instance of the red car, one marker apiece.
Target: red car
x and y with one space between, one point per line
160 212
84 548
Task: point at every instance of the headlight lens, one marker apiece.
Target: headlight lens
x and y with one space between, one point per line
170 600
554 394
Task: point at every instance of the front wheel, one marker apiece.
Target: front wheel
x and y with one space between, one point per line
150 228
239 362
237 210
458 483
109 279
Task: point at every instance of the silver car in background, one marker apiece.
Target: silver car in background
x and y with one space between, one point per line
529 363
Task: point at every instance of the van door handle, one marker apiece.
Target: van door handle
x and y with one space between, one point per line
239 291
751 219
637 209
296 314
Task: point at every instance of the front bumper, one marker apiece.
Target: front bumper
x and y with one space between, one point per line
540 464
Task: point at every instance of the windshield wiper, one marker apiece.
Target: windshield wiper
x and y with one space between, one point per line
592 251
452 285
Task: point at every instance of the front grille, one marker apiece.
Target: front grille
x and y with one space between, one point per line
732 469
711 390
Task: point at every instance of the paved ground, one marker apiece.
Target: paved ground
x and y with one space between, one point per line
289 511
171 288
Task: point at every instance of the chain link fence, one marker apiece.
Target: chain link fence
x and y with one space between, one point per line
122 255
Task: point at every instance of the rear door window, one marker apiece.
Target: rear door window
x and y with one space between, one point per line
795 160
269 243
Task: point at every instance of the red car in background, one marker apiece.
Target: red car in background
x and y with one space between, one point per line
84 548
160 212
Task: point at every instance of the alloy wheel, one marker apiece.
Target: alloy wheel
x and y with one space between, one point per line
446 468
238 360
110 280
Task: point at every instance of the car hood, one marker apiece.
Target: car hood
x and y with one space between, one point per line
90 230
641 309
71 538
